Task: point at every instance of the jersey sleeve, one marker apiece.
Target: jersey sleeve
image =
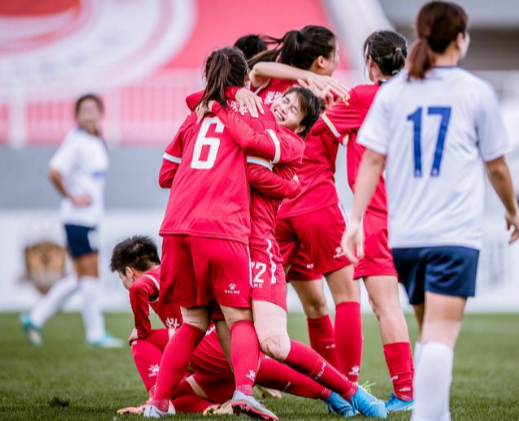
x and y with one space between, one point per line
492 135
373 133
65 158
341 118
263 179
264 143
140 293
172 157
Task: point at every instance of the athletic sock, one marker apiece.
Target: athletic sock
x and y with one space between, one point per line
432 382
348 336
175 360
244 355
51 302
275 375
93 318
146 357
322 339
399 362
307 361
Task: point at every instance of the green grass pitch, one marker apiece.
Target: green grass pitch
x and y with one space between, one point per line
37 384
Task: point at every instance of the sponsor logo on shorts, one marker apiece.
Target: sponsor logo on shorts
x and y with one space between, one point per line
172 323
338 253
330 346
310 266
153 370
210 330
232 290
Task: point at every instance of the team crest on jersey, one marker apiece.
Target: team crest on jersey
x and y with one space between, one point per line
272 96
232 290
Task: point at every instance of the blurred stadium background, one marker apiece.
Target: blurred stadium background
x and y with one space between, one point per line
144 57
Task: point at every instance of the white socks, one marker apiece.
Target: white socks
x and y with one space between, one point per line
91 308
52 302
432 382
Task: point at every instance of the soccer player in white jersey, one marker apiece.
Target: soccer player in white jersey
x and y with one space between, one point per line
78 171
440 128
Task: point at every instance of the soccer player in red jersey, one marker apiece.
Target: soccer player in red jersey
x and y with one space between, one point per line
385 53
310 226
137 262
205 240
295 112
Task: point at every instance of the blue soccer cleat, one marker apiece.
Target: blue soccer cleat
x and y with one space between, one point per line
340 406
368 405
395 404
245 404
32 332
151 411
107 341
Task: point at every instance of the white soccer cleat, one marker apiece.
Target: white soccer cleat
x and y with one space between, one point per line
151 411
107 341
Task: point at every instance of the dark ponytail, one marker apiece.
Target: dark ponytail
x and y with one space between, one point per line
437 25
388 50
223 68
299 48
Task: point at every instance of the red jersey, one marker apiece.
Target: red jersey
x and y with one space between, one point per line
283 160
206 171
345 119
274 89
316 175
144 292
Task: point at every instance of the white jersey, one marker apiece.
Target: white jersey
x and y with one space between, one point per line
82 161
436 134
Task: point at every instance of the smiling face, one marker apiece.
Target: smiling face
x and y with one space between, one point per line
287 112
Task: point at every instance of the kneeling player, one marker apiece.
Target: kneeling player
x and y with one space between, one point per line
138 265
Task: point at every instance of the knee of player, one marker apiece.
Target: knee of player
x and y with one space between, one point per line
276 346
317 307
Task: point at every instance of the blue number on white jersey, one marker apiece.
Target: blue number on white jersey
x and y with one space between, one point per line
416 118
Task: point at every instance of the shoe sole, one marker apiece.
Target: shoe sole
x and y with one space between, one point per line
244 408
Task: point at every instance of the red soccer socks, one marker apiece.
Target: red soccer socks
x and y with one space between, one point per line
399 361
348 336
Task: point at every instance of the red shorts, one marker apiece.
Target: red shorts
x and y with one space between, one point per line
197 270
268 277
378 259
311 243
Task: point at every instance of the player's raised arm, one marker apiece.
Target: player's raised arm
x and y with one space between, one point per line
263 179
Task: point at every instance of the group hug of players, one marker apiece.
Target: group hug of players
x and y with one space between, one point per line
252 204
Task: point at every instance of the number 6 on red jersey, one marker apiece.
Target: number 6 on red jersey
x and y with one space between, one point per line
204 140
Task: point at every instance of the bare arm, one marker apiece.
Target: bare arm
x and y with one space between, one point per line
369 173
57 179
499 176
263 71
